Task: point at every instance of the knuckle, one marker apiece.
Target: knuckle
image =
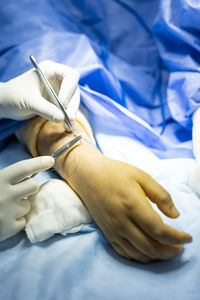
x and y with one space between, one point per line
157 231
27 206
139 174
165 197
118 224
127 203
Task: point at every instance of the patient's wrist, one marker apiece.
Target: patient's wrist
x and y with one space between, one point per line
53 136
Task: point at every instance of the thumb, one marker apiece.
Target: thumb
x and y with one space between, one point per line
157 194
28 167
46 109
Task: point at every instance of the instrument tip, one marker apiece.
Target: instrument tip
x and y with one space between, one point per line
32 59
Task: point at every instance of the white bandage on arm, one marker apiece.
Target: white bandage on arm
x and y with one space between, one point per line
55 209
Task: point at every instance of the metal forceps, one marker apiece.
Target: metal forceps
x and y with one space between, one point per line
55 155
66 147
51 93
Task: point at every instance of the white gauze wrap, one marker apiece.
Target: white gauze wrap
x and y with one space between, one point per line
55 208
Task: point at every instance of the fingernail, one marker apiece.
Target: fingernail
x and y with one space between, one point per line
188 240
175 212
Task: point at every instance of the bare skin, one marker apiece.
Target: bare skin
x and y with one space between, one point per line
116 194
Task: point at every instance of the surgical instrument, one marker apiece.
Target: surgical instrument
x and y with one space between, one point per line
52 93
56 154
66 147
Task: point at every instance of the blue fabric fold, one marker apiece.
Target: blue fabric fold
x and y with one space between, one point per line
143 55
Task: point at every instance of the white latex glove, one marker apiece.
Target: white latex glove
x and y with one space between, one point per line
13 203
25 96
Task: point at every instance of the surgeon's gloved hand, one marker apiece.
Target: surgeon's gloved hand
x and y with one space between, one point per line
25 96
13 203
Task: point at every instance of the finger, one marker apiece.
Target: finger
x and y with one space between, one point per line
68 86
132 251
20 224
158 195
25 188
168 251
139 239
109 236
28 167
73 105
120 251
25 205
149 247
56 70
116 246
151 223
42 107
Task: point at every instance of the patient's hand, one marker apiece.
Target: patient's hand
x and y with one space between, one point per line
118 203
116 194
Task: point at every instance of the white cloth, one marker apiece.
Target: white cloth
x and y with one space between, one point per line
55 208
